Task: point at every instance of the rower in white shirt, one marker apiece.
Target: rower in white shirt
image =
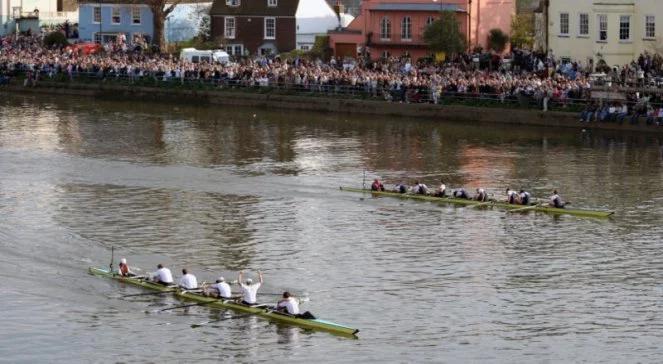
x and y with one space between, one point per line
249 289
162 275
556 200
511 196
188 280
288 304
220 289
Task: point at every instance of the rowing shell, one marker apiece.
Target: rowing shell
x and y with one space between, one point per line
315 324
503 205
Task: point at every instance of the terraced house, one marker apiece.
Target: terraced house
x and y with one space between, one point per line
616 31
270 26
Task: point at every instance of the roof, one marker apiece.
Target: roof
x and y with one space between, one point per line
417 7
255 8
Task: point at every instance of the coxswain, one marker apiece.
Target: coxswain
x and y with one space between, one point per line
220 289
249 289
188 280
288 304
124 269
461 193
377 185
481 195
556 201
419 188
511 196
162 275
524 197
442 190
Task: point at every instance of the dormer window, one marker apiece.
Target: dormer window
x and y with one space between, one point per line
233 2
272 3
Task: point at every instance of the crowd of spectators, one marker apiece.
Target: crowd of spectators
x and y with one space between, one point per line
525 75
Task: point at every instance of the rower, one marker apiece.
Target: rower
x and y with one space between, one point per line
400 188
222 289
288 304
124 269
188 280
249 289
556 201
162 276
442 190
377 185
461 193
511 196
419 188
524 197
481 195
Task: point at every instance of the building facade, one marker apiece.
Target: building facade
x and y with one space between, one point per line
42 11
615 31
396 27
105 21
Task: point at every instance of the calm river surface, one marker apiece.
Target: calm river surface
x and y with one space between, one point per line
218 190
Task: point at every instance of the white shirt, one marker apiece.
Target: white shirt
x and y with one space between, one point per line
554 198
164 275
223 288
443 187
249 293
291 305
189 281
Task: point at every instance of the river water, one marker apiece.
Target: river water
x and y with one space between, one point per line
219 190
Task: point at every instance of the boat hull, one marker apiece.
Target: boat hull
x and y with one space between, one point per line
502 205
316 324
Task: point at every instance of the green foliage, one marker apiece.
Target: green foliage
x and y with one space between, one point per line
321 48
444 34
522 31
497 40
55 39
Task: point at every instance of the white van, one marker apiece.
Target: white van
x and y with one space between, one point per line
196 56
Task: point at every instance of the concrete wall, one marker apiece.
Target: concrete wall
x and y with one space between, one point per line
471 116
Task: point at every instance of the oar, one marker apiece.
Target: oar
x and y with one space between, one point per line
149 293
189 305
221 319
482 204
525 208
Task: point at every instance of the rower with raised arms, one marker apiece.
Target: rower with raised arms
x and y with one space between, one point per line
188 280
162 275
556 200
249 289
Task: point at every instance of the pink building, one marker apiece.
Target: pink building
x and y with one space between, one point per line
396 27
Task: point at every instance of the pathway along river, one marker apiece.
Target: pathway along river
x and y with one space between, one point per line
218 190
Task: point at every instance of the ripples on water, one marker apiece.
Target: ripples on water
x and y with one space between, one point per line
220 191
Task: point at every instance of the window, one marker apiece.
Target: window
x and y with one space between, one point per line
135 15
564 23
272 3
624 27
239 50
650 27
270 28
97 37
115 15
304 47
406 28
583 24
229 26
96 15
430 20
233 2
603 27
385 28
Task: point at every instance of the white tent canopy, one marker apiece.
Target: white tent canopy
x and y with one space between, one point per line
315 17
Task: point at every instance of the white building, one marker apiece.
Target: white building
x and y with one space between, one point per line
616 31
49 12
316 17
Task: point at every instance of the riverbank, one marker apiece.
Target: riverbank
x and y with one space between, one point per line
473 115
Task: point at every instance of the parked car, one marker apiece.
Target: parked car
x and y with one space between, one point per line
196 56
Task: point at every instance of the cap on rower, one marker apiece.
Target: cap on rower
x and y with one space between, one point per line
249 281
123 261
220 279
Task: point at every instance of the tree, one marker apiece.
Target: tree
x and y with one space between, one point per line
497 40
160 11
444 35
522 31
